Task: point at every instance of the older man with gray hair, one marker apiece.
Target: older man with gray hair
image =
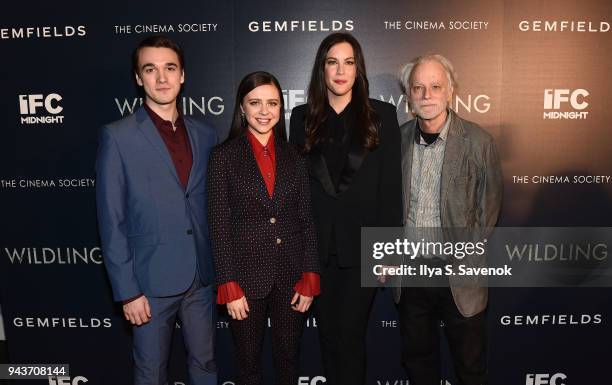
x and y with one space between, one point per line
452 180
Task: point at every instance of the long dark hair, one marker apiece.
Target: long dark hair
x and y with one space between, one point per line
248 84
366 122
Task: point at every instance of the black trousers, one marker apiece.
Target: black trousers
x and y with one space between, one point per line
420 312
342 311
287 325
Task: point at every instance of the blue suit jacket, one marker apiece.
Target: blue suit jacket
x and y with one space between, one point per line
154 232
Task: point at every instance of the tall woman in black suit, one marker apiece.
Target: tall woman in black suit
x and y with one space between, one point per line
353 147
262 231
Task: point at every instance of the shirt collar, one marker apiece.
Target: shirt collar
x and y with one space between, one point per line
161 122
332 112
443 133
258 148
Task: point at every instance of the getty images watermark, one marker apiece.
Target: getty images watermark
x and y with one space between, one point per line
500 257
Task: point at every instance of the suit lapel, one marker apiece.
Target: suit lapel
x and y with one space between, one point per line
195 151
282 170
321 172
408 133
355 154
148 129
253 172
354 159
453 153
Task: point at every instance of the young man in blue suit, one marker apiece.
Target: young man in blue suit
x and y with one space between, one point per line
151 200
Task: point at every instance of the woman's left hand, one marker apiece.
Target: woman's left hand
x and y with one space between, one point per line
303 304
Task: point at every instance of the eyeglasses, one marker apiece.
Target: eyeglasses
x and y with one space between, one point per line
419 90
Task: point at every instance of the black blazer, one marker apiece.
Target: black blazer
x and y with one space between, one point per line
256 240
371 191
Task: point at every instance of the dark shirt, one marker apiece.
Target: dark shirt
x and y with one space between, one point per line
177 143
336 146
335 151
427 137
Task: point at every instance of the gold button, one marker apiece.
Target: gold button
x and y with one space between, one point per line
273 220
278 241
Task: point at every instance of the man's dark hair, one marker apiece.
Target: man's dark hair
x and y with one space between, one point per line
157 41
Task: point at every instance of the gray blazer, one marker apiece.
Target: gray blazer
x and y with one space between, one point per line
470 192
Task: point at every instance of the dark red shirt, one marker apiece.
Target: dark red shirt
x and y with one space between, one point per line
266 159
177 143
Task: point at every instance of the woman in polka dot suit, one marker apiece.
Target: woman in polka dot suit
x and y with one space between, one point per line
262 231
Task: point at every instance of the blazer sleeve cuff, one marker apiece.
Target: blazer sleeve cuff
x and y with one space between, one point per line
309 285
228 292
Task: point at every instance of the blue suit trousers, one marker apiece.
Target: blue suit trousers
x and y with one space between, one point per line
152 341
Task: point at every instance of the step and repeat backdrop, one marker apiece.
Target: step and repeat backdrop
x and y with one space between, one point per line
535 74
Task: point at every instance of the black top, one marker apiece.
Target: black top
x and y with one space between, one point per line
427 137
368 192
336 146
335 149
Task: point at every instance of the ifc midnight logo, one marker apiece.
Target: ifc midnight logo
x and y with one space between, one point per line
556 100
41 108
